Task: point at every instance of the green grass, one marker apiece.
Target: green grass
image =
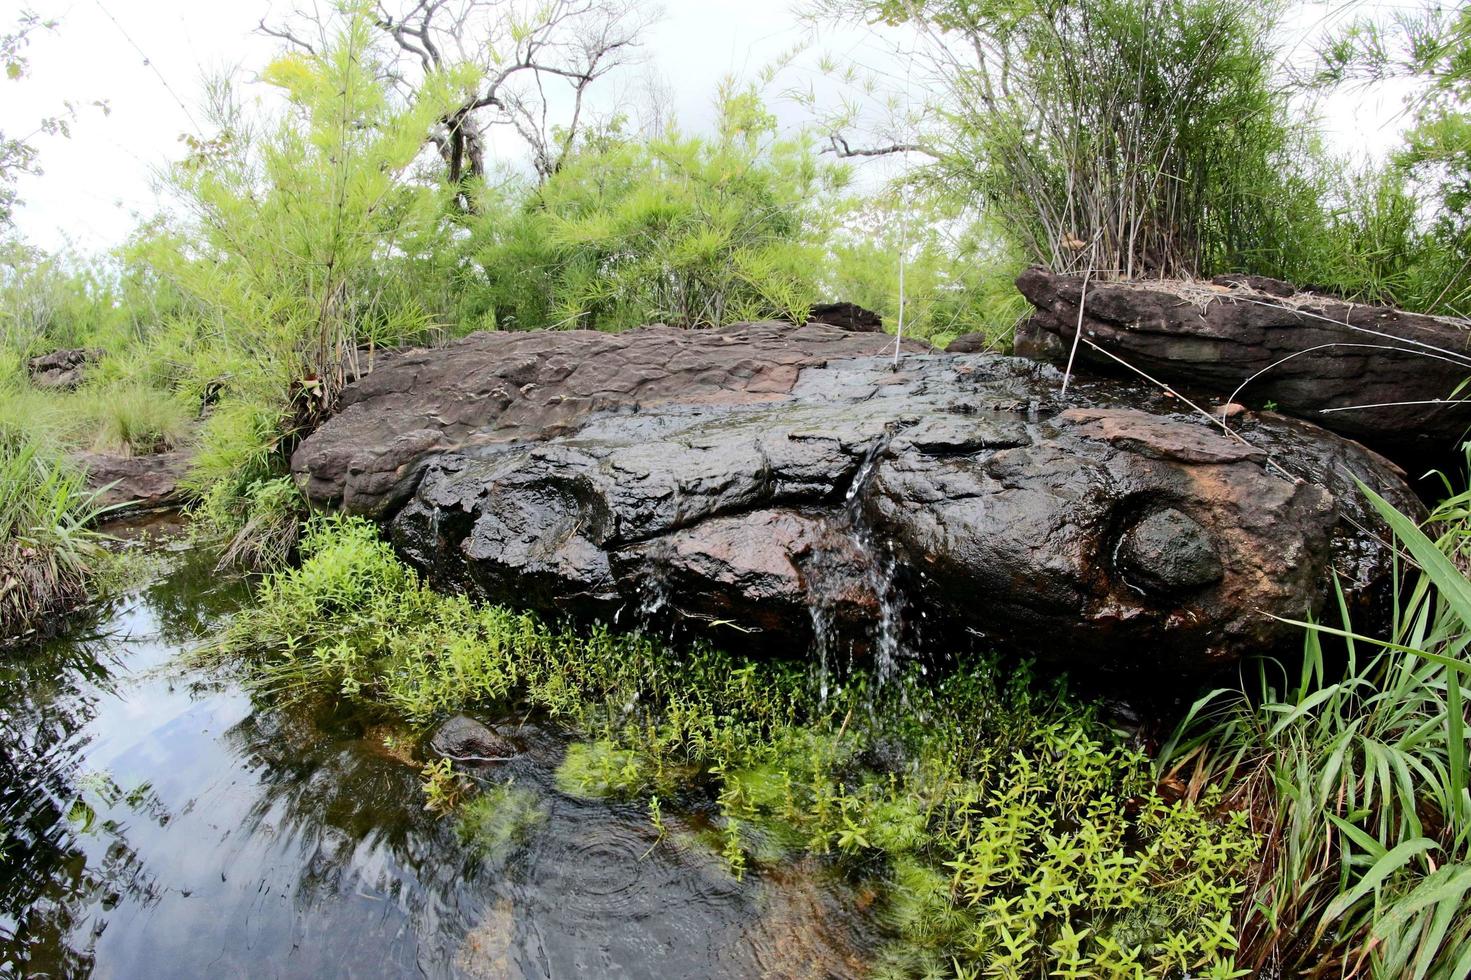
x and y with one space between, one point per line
1356 775
132 419
48 555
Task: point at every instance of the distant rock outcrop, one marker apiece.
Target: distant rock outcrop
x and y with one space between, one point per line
1373 373
61 368
847 316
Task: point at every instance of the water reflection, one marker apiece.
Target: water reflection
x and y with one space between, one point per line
161 824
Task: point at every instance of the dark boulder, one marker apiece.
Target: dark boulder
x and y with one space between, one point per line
847 316
788 495
971 343
61 368
1245 338
463 739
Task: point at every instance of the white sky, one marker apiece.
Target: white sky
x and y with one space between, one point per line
147 59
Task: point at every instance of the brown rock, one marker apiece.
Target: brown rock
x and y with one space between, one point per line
136 483
1260 341
781 489
61 368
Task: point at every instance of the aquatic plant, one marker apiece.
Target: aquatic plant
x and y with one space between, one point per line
1004 826
498 819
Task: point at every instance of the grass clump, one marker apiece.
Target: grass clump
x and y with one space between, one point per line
1005 828
135 420
48 555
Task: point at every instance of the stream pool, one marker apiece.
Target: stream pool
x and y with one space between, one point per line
162 821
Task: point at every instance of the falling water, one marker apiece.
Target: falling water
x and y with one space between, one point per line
878 573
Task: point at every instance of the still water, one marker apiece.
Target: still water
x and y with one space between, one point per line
162 821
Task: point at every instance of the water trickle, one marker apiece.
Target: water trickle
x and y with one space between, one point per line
880 568
877 563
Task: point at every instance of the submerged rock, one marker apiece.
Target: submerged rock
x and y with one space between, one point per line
777 490
463 739
61 368
1368 372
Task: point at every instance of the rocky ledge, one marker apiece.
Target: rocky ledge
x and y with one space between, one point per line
1369 372
786 489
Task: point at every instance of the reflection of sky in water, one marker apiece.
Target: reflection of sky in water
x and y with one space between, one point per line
287 843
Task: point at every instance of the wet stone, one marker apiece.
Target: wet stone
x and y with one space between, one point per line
1167 551
463 739
856 509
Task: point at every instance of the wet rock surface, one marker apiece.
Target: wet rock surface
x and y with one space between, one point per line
61 368
136 483
463 739
817 500
1260 341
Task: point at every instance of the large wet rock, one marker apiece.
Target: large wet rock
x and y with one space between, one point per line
1369 372
817 499
503 387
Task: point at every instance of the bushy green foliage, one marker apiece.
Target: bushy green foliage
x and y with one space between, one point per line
1136 137
296 223
688 230
1010 828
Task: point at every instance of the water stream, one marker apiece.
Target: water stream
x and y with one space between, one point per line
162 821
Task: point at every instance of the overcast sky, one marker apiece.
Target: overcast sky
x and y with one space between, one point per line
147 59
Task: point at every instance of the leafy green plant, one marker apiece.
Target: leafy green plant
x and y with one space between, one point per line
443 787
1012 829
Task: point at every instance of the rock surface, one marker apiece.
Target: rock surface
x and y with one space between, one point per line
777 489
463 739
505 387
1245 338
61 368
136 483
847 316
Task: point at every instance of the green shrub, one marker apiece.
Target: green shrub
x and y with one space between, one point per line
1135 137
679 229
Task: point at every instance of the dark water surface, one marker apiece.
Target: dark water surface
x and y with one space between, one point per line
162 822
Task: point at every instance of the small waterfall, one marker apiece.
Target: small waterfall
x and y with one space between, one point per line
827 576
879 573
